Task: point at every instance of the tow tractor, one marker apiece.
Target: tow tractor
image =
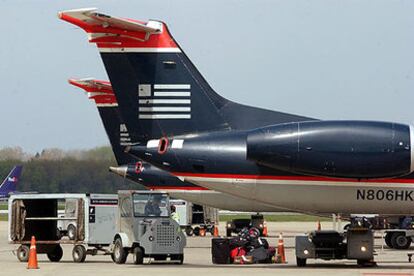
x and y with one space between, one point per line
145 228
357 243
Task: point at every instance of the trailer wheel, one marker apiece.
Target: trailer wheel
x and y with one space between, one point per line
23 253
119 255
300 262
56 254
196 231
72 232
178 258
79 253
189 231
400 241
387 239
138 255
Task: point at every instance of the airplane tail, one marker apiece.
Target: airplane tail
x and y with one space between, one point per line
159 90
10 182
119 137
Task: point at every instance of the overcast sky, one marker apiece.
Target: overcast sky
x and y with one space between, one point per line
323 59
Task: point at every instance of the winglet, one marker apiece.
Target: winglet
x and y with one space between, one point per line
109 31
98 90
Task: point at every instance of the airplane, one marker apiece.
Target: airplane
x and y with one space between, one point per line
10 182
144 173
183 126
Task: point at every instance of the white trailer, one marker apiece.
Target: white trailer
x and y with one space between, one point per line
93 215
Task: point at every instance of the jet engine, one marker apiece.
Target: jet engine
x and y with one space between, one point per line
344 149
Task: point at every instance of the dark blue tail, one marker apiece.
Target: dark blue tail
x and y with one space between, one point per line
10 182
159 90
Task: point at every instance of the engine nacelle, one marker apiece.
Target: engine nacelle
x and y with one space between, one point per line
345 149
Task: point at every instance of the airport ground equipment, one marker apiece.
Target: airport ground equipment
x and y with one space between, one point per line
398 230
356 243
195 218
236 225
38 215
145 228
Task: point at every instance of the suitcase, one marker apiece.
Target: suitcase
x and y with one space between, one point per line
260 255
220 251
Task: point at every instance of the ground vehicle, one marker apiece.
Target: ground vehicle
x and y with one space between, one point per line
195 218
37 215
145 228
236 225
68 227
356 243
398 230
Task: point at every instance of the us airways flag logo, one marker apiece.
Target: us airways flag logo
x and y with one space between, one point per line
12 179
164 101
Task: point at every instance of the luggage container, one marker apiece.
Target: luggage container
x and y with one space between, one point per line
92 218
195 219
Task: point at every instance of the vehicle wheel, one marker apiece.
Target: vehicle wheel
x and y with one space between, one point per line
346 227
119 255
387 239
56 254
400 241
23 253
160 257
179 258
300 262
79 253
189 231
196 231
72 232
138 255
228 233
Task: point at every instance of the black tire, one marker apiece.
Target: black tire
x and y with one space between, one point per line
387 239
300 262
120 254
189 231
79 253
178 258
138 255
229 232
400 241
72 232
196 231
56 254
23 253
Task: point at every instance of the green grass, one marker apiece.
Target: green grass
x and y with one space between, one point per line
3 217
278 218
3 206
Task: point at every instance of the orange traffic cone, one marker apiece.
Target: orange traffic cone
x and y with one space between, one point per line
202 232
264 233
281 257
319 225
32 263
216 231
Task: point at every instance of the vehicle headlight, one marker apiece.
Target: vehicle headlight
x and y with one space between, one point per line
151 238
228 225
306 252
178 238
260 225
363 248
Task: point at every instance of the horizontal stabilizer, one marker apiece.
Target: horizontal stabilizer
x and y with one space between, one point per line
104 28
98 90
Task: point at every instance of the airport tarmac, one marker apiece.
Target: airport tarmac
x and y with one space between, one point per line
198 260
